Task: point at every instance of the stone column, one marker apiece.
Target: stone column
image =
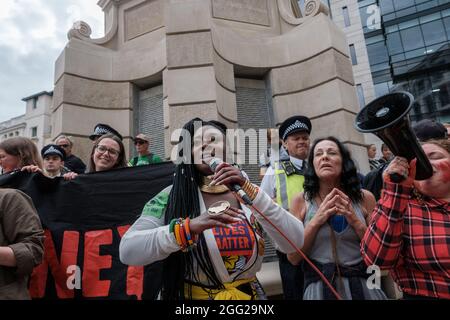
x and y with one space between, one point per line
198 82
80 103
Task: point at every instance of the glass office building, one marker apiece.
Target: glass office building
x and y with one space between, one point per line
408 43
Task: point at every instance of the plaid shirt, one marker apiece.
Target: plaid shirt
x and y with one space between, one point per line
411 237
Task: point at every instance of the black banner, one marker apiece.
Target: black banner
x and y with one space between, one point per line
84 220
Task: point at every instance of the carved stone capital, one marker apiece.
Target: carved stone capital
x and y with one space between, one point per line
314 7
80 30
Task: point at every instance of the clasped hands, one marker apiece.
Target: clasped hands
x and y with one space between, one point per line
335 202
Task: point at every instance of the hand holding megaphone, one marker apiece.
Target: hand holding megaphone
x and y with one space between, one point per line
388 118
400 171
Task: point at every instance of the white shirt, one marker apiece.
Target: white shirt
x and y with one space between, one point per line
268 183
149 239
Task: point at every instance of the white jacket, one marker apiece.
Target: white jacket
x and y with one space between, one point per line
148 240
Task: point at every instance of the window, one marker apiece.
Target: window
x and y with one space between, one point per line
445 13
447 26
360 91
408 24
426 5
346 16
434 32
386 6
397 57
377 53
406 12
402 4
34 132
17 133
430 17
11 134
353 54
34 103
394 43
412 38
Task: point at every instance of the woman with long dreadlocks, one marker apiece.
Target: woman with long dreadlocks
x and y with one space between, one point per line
212 246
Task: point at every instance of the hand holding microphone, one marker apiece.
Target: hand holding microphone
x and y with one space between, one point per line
230 176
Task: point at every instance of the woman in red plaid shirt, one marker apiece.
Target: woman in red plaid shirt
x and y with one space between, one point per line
410 227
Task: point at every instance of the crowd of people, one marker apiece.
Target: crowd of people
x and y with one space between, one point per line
57 160
208 227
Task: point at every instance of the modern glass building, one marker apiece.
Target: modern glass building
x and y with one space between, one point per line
408 44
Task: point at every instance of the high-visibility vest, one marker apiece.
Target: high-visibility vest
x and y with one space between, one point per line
288 186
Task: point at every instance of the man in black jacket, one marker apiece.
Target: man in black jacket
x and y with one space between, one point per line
72 162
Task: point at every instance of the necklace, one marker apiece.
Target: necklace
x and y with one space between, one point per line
205 187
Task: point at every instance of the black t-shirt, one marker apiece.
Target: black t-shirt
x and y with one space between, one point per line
73 163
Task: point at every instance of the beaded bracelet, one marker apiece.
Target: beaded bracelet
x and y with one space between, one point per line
182 234
188 232
177 233
184 243
250 189
172 225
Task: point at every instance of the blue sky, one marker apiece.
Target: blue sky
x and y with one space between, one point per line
32 35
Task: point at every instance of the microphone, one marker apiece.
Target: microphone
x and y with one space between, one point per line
213 164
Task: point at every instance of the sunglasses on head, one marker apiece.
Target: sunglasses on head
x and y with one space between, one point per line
136 142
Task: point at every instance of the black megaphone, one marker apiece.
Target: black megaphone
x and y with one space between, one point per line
387 117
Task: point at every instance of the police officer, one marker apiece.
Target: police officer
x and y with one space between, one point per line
102 129
54 157
283 180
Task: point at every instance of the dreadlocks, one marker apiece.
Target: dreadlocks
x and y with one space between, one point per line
183 202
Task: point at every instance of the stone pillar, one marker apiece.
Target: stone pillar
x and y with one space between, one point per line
80 103
95 78
198 82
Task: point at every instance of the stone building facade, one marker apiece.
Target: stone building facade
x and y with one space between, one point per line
249 63
38 117
35 123
13 127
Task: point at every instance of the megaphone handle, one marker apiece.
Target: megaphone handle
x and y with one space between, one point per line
396 178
